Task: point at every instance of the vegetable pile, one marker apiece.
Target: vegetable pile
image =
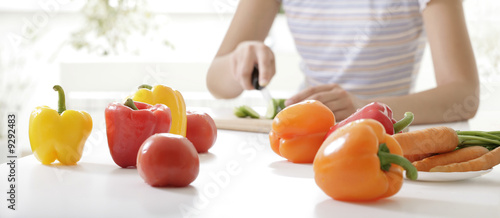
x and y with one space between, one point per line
169 156
361 158
152 131
443 149
355 160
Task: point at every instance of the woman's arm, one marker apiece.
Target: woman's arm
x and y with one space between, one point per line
242 48
456 96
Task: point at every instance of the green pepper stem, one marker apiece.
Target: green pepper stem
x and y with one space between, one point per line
61 105
145 86
386 159
403 123
130 103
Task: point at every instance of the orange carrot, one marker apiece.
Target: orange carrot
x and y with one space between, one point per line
484 162
456 156
416 157
430 140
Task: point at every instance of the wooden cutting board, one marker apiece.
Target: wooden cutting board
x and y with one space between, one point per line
224 118
244 124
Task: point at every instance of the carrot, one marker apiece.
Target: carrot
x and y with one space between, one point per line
430 140
484 162
456 156
416 157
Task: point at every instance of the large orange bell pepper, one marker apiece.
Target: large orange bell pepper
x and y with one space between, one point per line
359 162
299 129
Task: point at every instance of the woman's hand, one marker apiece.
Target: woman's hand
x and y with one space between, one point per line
242 49
247 55
341 102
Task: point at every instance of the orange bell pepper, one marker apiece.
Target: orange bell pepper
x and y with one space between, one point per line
299 129
359 162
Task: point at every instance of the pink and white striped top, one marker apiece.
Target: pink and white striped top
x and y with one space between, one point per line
371 48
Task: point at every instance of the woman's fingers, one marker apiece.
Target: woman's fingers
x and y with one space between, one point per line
267 68
307 93
340 102
246 56
245 61
341 107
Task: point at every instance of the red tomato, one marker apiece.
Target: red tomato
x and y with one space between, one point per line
167 159
201 130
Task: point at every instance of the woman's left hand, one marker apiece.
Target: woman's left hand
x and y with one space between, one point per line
341 102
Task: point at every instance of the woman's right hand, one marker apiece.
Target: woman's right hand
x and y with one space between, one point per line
247 55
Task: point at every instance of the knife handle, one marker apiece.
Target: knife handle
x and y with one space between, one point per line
255 78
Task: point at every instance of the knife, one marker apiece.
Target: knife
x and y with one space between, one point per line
263 90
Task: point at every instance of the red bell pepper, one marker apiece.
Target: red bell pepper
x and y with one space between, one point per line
379 112
129 125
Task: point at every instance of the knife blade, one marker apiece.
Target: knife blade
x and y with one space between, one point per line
263 90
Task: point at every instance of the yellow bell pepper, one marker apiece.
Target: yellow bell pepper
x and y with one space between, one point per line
58 134
161 94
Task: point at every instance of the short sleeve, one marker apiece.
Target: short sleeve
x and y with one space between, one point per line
423 4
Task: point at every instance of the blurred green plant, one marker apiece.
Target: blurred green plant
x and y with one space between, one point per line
111 24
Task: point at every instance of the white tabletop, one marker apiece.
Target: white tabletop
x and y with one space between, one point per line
239 177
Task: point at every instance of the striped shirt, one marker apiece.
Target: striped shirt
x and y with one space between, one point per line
370 48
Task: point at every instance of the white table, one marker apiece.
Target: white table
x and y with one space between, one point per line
239 177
